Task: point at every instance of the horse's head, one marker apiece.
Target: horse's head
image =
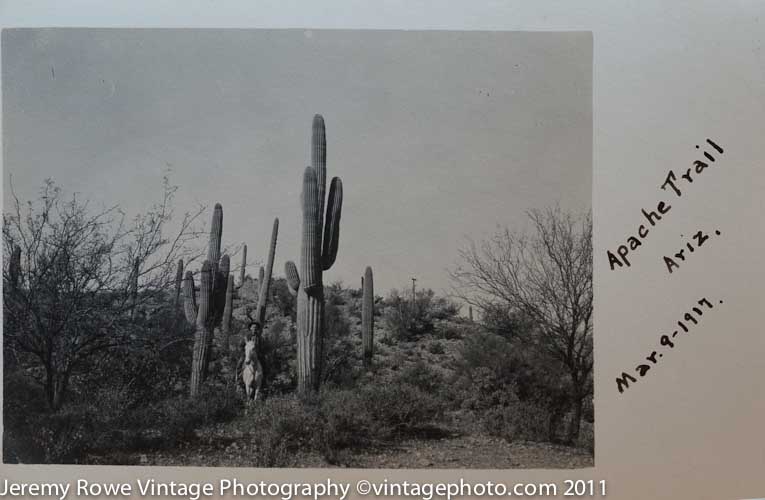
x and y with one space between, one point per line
250 354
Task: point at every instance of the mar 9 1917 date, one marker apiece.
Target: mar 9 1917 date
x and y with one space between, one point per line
667 341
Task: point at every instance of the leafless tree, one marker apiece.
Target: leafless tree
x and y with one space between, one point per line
545 276
74 276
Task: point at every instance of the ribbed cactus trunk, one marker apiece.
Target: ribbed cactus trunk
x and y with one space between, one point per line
368 317
203 333
310 299
242 269
207 313
470 313
225 324
318 252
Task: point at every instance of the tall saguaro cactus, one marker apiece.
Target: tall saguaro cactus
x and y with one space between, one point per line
244 265
207 313
202 323
265 279
368 317
320 239
225 324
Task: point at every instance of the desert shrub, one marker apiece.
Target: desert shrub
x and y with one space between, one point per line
104 422
495 375
340 354
486 372
335 294
34 434
387 340
436 348
337 324
587 436
62 437
505 322
336 421
166 423
421 376
451 329
111 397
276 351
375 413
340 367
407 320
399 409
517 420
281 298
347 422
284 425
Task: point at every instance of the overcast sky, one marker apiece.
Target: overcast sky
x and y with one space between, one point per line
437 136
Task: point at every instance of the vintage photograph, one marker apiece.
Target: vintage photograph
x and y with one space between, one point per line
297 248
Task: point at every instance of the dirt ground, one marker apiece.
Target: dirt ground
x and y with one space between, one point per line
226 445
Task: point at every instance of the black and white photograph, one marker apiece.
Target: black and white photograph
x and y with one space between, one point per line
298 248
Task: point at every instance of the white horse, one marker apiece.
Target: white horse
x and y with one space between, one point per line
252 371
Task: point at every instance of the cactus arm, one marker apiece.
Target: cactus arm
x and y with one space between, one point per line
293 278
319 162
332 227
311 247
189 298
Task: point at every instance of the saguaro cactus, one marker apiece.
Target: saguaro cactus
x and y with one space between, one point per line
208 312
225 324
265 279
318 252
244 265
203 331
368 317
